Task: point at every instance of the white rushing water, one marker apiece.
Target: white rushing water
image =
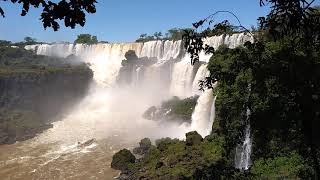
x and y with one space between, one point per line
105 61
243 151
202 73
202 117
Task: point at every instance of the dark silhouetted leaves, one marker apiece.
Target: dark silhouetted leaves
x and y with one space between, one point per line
71 11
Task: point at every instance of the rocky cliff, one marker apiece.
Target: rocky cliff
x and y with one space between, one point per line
34 91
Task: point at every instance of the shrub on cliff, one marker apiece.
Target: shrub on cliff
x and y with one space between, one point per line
290 166
86 39
122 160
193 138
163 143
174 109
175 159
144 146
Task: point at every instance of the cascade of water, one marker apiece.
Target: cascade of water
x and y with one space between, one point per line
162 50
105 61
172 49
181 79
243 152
202 116
137 77
202 73
212 113
152 49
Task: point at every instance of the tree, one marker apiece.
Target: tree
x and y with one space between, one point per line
94 39
176 33
281 67
157 35
29 40
142 36
145 38
5 43
86 39
72 12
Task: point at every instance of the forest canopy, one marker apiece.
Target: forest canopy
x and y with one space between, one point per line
276 78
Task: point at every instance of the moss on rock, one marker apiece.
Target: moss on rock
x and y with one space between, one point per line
122 160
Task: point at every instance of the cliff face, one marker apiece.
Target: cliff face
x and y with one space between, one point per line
35 90
44 91
29 100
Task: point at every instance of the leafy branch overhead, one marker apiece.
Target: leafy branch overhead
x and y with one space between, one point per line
194 40
72 12
294 18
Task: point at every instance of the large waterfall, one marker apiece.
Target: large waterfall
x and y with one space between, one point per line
105 61
110 114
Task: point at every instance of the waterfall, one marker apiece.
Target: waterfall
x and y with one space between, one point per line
105 61
202 73
202 117
162 50
243 152
181 80
212 113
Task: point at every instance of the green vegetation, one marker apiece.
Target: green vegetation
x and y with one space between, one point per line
174 109
5 43
174 159
174 34
291 166
29 40
22 44
122 160
277 79
86 39
144 147
19 58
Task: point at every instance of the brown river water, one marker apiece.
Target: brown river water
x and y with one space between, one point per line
114 121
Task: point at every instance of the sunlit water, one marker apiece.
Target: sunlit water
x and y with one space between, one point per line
113 119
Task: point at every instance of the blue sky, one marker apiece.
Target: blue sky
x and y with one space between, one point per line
125 20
